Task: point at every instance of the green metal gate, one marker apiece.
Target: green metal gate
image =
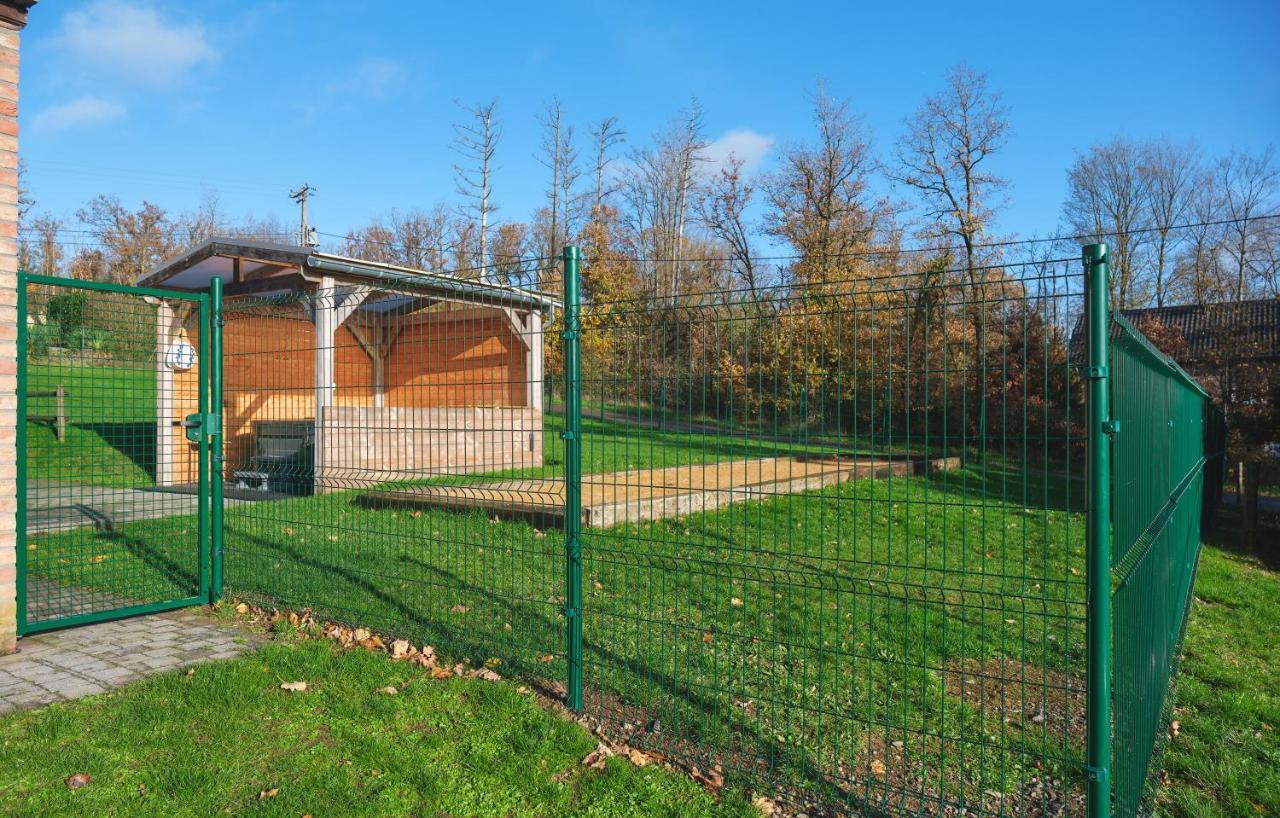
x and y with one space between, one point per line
117 429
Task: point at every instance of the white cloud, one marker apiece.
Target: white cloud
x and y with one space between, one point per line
373 77
747 146
133 41
78 112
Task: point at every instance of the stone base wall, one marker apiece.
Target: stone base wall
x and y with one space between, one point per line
359 445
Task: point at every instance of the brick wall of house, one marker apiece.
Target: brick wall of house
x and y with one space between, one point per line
12 17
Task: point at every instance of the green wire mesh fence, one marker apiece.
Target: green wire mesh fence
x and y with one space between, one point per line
840 540
828 534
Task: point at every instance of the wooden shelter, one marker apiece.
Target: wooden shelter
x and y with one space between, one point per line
393 373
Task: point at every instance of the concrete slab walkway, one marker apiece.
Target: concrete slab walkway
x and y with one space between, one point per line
651 494
56 506
69 664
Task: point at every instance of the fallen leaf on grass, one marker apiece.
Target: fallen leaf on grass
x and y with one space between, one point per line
735 602
1174 728
487 675
638 757
75 782
441 673
459 609
712 780
271 793
765 805
596 758
877 768
293 687
242 608
401 649
390 690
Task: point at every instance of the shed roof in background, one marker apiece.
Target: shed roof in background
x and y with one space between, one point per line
1252 327
249 267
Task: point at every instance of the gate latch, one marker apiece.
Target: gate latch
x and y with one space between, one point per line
194 424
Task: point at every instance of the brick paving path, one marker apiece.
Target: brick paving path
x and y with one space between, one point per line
76 662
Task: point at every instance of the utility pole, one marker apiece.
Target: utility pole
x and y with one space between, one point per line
306 234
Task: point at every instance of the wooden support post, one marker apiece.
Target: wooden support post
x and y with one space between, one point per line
164 395
376 352
61 420
533 361
324 326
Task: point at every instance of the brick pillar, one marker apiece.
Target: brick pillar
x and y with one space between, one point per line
13 16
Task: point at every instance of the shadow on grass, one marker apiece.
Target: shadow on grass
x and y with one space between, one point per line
539 630
1227 534
135 440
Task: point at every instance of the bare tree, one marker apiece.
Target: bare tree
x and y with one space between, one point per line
1171 172
818 197
422 236
570 173
943 157
46 254
607 135
658 187
722 209
1249 186
1200 259
205 222
552 143
476 141
1107 201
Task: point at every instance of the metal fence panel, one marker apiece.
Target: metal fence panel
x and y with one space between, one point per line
103 372
1167 461
835 535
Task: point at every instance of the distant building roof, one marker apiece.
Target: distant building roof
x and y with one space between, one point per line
1249 324
1252 327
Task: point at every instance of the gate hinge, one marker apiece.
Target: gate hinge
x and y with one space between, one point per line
572 613
1111 427
570 334
566 435
1095 372
1099 774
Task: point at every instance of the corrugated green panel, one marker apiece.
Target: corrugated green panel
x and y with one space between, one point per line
1161 455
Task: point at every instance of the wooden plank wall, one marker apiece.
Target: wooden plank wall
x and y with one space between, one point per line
466 361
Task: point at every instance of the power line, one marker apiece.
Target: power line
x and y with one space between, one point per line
950 248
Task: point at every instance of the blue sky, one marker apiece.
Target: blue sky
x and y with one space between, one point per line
162 100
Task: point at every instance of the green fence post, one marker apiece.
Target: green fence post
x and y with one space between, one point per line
1098 561
215 438
20 442
573 476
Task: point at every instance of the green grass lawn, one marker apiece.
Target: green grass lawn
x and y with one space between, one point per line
227 740
825 634
1225 760
111 432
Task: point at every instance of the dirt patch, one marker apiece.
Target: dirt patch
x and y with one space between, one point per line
1022 696
898 778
